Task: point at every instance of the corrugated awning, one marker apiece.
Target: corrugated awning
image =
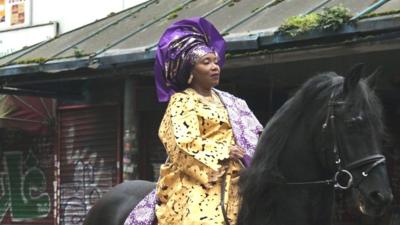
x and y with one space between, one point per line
32 114
130 36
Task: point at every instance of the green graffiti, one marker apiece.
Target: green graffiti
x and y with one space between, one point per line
23 193
5 197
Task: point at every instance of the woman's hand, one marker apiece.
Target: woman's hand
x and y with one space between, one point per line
213 177
236 152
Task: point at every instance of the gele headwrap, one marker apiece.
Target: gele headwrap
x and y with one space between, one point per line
180 47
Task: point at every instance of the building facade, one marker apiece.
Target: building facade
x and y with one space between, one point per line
107 114
42 20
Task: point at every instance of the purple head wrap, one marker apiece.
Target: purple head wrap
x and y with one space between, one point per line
180 47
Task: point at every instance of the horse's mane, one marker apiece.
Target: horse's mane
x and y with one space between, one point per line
258 180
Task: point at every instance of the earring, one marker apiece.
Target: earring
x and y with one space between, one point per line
190 79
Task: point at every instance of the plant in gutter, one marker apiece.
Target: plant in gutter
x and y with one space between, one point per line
329 19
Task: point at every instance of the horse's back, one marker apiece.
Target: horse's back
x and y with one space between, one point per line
114 207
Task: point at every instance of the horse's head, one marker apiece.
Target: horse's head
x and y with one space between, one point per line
354 127
329 133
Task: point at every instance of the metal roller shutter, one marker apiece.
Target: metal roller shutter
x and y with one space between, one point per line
89 158
26 178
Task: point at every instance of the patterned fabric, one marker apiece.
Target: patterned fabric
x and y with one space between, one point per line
144 212
178 49
245 126
197 52
246 130
196 134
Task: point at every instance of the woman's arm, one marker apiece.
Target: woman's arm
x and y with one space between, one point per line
196 156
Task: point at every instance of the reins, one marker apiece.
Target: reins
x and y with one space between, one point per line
342 171
222 203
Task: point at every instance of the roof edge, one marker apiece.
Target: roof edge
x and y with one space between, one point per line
249 41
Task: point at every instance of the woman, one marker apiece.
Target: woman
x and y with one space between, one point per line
209 135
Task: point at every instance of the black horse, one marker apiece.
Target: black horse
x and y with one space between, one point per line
114 207
327 136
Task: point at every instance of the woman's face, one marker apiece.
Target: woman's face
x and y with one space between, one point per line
206 72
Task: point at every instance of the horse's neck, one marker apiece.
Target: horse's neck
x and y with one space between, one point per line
299 162
304 206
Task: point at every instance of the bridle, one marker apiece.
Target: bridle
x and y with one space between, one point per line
371 161
343 172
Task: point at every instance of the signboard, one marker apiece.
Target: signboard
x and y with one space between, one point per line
14 40
2 12
15 13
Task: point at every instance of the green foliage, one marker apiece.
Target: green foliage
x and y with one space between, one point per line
29 61
255 9
390 12
78 52
329 19
277 2
111 14
174 13
300 24
333 18
172 16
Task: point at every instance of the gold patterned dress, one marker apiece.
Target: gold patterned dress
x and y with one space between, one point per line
197 135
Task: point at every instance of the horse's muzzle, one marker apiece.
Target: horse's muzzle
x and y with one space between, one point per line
375 203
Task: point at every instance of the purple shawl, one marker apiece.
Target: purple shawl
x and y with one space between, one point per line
246 130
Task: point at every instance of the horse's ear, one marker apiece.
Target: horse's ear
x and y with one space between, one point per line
371 79
352 77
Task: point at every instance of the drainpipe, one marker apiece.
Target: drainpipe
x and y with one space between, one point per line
271 98
130 140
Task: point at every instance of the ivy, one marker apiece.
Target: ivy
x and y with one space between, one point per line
329 19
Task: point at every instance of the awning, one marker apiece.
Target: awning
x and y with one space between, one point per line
247 25
124 42
31 114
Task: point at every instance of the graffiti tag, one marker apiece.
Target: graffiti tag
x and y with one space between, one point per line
23 188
